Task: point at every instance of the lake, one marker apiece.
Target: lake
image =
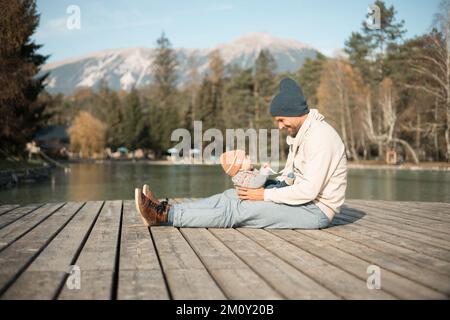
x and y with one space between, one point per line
117 180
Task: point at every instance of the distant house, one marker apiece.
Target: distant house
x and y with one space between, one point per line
53 140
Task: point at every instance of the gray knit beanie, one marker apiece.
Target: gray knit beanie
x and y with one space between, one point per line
289 101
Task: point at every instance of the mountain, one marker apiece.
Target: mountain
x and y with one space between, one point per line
125 68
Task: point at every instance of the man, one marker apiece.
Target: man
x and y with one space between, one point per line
317 158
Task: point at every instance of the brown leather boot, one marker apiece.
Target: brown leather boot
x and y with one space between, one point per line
152 211
148 193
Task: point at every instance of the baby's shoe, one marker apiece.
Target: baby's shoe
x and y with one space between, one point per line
290 178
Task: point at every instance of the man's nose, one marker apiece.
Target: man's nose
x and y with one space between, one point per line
280 125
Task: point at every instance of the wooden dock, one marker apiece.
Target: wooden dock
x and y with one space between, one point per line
113 256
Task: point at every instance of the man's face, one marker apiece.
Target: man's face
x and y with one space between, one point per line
291 124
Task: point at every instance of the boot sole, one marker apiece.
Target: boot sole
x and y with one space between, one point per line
137 202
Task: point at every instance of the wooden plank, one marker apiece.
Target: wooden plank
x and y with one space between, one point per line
236 279
405 231
386 261
443 207
286 279
97 259
43 278
15 258
340 282
17 213
140 275
425 227
414 211
186 276
399 240
392 283
432 237
20 227
5 208
438 215
425 216
381 243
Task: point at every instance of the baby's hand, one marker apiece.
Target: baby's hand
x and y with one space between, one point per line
266 169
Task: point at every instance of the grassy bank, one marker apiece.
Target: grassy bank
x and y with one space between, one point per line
6 164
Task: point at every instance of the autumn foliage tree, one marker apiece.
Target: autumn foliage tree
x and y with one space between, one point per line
338 98
87 135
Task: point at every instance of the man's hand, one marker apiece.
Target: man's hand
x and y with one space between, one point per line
250 194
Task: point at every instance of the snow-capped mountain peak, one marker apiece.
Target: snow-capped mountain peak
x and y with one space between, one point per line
125 68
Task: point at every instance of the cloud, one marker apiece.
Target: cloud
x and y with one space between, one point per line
53 27
56 23
220 7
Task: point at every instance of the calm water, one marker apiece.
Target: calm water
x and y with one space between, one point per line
118 180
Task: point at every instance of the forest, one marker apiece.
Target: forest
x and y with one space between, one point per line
382 93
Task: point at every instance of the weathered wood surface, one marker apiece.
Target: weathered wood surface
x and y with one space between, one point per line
114 256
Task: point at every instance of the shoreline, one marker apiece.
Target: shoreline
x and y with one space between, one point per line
424 166
12 177
410 167
12 174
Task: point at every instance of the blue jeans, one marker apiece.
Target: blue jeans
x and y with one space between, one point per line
226 210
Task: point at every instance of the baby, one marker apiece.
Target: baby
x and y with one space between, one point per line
238 165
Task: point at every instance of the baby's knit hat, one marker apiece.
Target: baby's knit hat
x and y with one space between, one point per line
231 161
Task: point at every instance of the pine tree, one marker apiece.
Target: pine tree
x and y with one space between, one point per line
22 114
164 115
216 66
239 98
164 68
264 86
308 77
192 90
107 107
133 120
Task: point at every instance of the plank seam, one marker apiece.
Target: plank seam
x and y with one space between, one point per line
396 220
315 280
398 244
37 253
25 214
115 278
13 208
348 218
371 262
78 252
166 283
203 263
256 272
382 206
33 227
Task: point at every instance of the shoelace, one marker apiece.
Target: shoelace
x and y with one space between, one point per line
161 207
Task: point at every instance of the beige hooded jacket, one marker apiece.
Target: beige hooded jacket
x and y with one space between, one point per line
317 158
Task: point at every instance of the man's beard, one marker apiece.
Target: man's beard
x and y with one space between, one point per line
293 132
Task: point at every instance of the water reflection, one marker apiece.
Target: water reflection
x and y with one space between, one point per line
117 181
399 185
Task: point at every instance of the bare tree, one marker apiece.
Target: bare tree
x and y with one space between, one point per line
336 94
387 100
432 64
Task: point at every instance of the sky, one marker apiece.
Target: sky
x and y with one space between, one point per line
110 24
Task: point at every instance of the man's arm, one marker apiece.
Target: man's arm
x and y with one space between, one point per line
318 164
